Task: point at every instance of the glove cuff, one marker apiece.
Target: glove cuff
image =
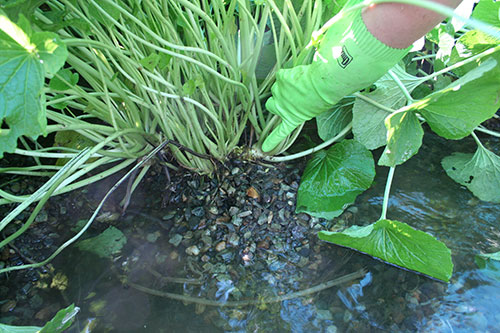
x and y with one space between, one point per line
372 46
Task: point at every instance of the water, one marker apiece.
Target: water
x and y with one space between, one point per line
384 299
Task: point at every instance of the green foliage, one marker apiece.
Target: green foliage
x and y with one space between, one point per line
404 138
454 101
334 121
369 119
333 179
489 262
25 60
479 172
488 11
59 324
107 243
399 244
456 110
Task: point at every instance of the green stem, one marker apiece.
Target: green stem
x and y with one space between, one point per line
427 56
487 131
477 139
312 150
92 218
460 64
387 192
401 86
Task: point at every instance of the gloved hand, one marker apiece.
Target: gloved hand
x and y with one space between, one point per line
349 58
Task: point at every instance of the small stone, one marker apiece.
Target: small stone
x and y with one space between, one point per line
324 315
42 216
347 316
220 246
207 240
198 211
8 306
153 236
303 262
16 187
233 210
247 235
107 217
252 193
174 255
262 219
175 240
188 235
263 244
193 250
205 258
168 216
245 213
234 239
398 317
353 209
235 171
331 329
236 221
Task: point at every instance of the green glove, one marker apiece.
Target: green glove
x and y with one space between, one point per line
349 58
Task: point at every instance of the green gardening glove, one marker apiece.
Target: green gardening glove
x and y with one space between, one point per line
348 59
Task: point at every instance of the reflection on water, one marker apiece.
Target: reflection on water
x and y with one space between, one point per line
385 299
470 303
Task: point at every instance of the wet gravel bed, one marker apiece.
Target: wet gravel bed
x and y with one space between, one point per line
233 237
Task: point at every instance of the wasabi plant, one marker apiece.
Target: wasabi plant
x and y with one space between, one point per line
118 79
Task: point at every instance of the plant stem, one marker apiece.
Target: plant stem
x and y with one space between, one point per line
387 192
427 56
312 150
487 131
273 299
460 63
401 86
477 139
94 215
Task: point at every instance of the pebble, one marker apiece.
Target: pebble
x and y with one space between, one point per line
15 188
324 315
8 306
220 246
175 240
331 329
198 211
252 193
245 213
42 216
193 250
234 239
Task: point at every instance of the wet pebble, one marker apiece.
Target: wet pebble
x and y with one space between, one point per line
220 246
193 250
175 240
42 216
8 306
16 187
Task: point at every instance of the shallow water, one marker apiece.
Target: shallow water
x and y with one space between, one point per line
384 299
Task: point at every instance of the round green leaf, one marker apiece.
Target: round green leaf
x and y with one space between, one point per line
333 179
480 172
399 244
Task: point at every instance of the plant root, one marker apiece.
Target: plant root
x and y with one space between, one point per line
274 299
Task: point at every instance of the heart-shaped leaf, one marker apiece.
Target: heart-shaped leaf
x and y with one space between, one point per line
480 172
333 179
399 244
